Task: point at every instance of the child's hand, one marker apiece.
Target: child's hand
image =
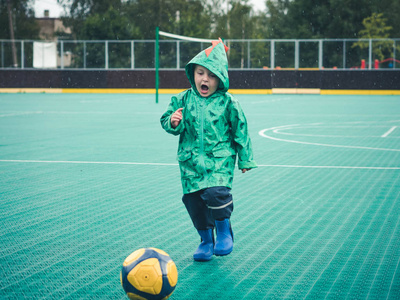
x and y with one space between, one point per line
176 117
245 170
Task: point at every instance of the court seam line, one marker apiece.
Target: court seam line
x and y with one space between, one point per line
176 164
377 272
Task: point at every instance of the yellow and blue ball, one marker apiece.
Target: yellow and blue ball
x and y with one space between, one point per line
149 273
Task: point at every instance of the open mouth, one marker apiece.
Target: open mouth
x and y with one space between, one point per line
204 88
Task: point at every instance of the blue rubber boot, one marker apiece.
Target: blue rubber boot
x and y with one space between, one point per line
224 242
205 251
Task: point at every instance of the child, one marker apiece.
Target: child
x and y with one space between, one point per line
212 130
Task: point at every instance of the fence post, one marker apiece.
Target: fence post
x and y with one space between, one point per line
272 54
132 54
2 54
394 54
296 54
106 53
22 55
178 54
321 55
248 55
370 55
62 55
157 61
84 54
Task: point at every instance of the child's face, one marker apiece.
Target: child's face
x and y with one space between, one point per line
206 82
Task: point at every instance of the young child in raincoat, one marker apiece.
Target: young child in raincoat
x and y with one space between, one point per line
212 131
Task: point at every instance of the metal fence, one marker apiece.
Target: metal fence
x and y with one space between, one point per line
174 54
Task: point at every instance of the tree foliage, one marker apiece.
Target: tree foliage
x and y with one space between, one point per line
375 28
24 24
231 19
327 19
139 17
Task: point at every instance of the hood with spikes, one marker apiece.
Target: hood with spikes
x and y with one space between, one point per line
214 59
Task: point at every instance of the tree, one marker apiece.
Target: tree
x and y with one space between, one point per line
391 11
79 11
234 21
276 25
375 28
140 16
25 26
319 18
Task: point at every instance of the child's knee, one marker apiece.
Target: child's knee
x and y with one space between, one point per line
219 200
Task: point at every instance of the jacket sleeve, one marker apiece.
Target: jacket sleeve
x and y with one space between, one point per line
176 102
241 137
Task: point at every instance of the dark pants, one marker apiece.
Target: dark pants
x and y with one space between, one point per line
208 205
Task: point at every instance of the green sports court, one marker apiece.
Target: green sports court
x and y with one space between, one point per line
86 179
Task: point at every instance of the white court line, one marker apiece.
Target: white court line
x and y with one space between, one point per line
84 162
23 113
332 167
275 129
175 164
389 131
26 113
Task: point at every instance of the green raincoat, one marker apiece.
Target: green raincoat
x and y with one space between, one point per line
213 130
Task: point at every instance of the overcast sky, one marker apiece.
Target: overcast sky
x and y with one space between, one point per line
56 10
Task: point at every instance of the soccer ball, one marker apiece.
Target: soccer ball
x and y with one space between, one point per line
149 273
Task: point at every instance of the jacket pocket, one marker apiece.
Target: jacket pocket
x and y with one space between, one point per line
223 151
184 155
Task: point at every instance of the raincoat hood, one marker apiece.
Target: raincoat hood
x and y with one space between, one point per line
214 59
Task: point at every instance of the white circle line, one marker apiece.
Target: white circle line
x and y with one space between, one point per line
263 134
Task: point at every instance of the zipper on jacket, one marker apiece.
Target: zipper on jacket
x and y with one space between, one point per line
201 152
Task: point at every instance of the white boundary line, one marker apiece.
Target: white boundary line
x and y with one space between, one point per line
22 113
175 164
332 167
84 162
